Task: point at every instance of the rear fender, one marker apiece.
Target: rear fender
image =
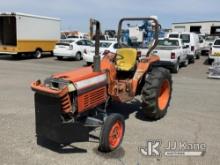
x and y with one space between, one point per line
142 68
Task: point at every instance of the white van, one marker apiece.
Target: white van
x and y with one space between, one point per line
191 40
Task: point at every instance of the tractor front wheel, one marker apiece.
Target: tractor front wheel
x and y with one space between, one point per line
112 133
156 93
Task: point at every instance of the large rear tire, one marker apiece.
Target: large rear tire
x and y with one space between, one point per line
112 133
156 93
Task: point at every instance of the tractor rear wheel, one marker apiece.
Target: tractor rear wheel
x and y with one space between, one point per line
112 133
156 93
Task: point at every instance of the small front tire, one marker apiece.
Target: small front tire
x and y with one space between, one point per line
112 133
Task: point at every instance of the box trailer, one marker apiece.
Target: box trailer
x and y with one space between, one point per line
24 34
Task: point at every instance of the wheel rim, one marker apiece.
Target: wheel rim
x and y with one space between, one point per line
38 54
164 95
115 134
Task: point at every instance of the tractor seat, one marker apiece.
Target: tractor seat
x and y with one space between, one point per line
126 59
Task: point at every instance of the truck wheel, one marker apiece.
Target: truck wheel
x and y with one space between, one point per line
38 54
186 63
156 93
78 56
192 60
88 63
59 57
210 61
176 67
112 133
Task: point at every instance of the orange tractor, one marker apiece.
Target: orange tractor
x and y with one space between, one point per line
69 105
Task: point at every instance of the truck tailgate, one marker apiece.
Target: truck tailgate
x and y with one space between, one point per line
163 54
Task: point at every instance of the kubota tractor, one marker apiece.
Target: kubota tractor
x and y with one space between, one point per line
69 105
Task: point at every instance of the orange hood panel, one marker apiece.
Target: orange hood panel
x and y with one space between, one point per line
78 74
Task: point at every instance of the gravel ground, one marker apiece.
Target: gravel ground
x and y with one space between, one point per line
193 117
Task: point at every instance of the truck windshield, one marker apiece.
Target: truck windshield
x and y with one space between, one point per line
168 43
174 36
105 44
210 38
185 38
217 42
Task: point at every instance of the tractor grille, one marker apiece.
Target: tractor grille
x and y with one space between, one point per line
66 103
91 99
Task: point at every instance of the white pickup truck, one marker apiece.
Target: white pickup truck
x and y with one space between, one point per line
172 53
215 51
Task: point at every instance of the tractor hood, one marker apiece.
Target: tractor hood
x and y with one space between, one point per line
81 79
78 74
84 79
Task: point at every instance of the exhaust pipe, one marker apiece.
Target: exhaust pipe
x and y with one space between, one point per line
96 58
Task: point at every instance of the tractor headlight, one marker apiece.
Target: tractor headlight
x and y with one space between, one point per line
71 87
57 84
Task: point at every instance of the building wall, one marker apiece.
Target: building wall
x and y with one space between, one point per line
205 26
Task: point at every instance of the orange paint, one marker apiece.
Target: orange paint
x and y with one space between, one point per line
164 95
91 99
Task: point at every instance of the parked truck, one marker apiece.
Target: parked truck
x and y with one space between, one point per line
172 53
24 34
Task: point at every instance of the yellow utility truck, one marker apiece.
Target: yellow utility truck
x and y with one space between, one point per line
28 34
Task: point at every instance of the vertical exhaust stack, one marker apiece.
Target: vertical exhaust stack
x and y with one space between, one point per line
96 58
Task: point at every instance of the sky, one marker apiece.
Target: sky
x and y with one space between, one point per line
75 14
